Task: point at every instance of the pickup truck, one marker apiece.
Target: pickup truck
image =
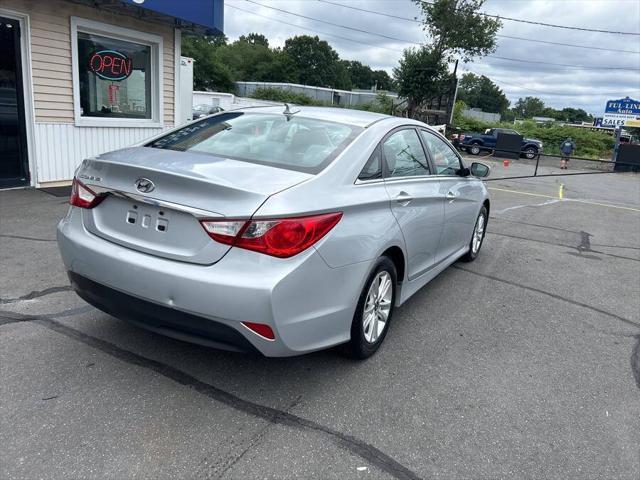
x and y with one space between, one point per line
474 143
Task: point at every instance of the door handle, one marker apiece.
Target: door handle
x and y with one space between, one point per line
403 198
451 195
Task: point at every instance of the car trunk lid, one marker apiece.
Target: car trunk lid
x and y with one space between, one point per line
162 217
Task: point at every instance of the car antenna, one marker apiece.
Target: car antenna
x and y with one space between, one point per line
288 113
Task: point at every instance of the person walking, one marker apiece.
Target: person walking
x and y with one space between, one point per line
567 148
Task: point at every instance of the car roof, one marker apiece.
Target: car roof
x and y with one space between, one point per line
359 118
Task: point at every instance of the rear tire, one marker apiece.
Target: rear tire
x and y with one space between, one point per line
477 237
474 149
370 324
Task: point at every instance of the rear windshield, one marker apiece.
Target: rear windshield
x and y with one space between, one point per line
291 142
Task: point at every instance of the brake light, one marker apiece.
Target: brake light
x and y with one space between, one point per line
82 196
280 237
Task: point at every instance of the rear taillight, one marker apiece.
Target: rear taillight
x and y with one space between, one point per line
82 196
279 237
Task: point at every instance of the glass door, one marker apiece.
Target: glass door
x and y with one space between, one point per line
13 152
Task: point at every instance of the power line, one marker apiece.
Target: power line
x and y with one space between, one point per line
346 27
399 51
543 24
415 20
330 23
569 44
562 64
312 30
540 92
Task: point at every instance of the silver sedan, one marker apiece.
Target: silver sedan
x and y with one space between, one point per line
278 230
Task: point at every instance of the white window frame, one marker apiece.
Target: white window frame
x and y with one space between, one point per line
126 34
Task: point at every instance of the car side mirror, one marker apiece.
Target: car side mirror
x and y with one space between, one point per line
479 170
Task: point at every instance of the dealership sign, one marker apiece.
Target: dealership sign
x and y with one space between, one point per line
622 112
110 65
625 106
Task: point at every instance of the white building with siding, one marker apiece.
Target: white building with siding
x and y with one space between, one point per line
81 77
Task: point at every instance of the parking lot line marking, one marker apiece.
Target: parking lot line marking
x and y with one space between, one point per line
586 202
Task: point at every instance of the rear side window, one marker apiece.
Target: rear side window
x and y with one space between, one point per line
295 143
373 168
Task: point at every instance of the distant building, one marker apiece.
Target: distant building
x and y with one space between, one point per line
543 119
330 96
478 114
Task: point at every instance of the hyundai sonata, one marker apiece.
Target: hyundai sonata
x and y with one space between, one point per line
278 230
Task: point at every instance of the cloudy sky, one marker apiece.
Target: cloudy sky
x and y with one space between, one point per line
378 40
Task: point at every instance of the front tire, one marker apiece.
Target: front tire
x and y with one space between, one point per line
374 310
530 153
477 237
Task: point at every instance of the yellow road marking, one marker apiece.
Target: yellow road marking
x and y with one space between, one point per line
521 193
561 191
587 202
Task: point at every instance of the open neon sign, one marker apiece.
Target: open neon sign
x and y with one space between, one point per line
110 65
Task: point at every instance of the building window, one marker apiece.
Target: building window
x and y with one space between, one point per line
117 79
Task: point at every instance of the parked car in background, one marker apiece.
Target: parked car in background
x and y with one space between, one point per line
271 231
474 143
203 110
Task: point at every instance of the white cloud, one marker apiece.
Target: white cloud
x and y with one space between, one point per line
558 86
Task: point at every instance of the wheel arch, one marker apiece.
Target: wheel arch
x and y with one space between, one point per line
487 204
396 255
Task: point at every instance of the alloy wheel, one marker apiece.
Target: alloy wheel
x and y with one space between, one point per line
478 233
377 306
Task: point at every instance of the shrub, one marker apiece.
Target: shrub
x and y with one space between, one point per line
284 96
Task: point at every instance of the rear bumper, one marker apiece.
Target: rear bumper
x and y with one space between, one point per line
160 319
308 305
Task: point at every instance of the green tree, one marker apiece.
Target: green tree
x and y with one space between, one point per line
314 59
342 79
421 75
280 69
575 115
458 28
255 39
382 80
529 107
361 75
247 61
209 73
458 108
480 92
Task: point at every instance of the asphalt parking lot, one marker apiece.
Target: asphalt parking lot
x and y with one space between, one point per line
523 364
